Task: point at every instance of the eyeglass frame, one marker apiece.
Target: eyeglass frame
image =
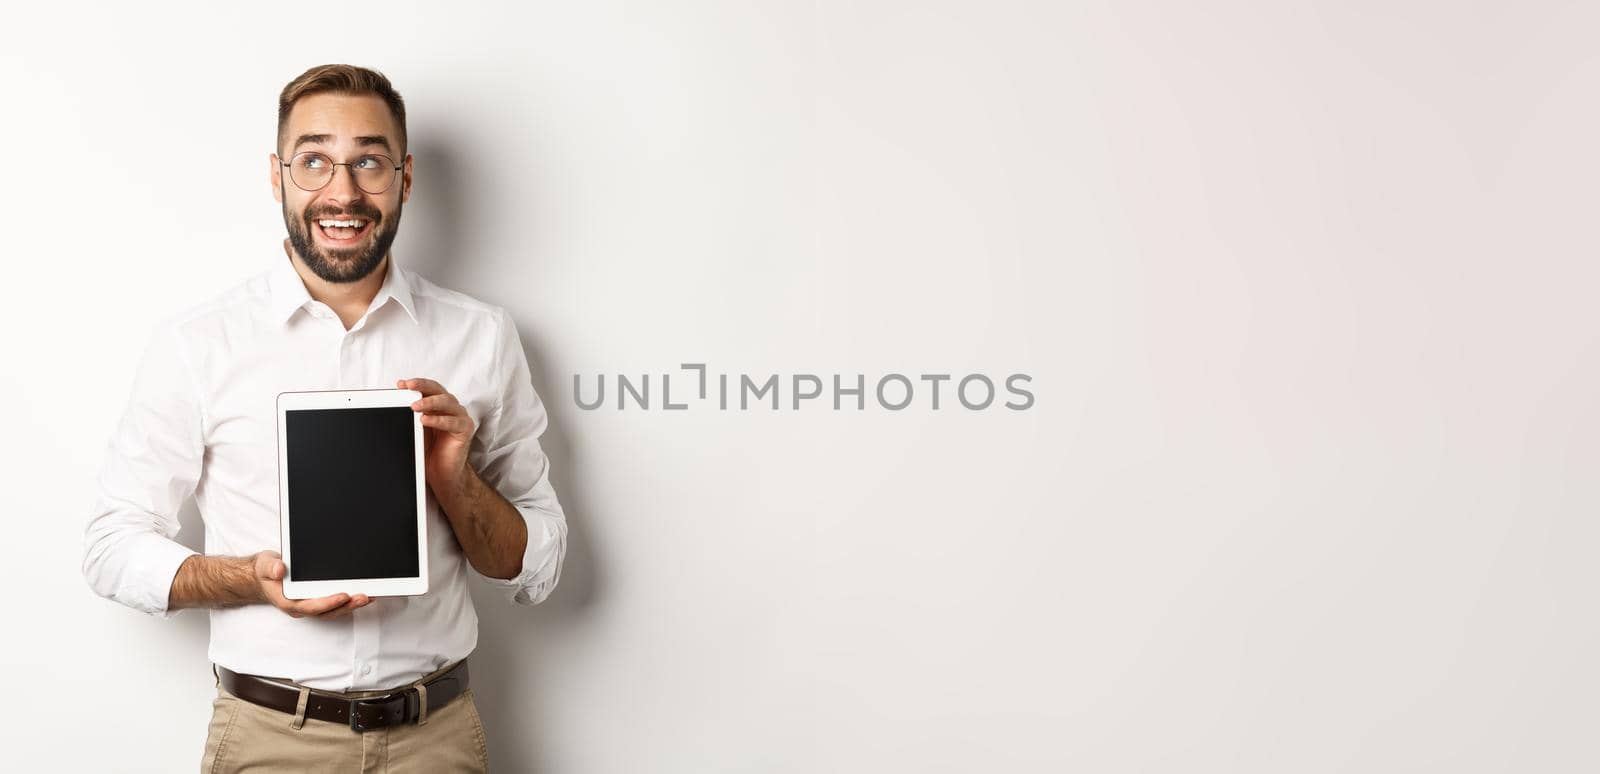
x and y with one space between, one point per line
335 172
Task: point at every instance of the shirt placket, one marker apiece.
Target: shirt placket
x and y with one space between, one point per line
365 631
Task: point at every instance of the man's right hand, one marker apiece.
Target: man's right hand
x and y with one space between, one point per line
269 570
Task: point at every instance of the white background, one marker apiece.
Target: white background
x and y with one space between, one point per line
1306 290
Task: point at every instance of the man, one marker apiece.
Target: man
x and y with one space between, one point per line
344 682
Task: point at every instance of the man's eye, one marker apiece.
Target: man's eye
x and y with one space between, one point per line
368 162
313 162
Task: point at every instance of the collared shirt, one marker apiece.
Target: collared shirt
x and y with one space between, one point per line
202 421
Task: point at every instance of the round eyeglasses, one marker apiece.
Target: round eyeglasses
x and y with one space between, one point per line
312 171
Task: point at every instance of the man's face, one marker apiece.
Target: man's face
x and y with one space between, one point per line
344 129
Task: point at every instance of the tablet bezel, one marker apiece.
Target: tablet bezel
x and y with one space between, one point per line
350 399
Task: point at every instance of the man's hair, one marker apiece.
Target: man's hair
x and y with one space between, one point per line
341 79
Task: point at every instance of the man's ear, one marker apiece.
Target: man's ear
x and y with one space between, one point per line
405 181
276 177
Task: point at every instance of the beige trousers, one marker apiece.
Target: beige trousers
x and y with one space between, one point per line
247 737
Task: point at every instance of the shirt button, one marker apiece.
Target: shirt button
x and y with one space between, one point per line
366 670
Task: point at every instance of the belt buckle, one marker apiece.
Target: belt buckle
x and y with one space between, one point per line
405 699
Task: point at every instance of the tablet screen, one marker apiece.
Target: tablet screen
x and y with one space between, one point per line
352 493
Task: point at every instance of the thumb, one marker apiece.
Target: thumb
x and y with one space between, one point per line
268 565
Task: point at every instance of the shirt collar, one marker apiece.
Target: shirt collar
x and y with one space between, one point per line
289 294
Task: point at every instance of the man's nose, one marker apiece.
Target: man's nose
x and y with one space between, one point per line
342 188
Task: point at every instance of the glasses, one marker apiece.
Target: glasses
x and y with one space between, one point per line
312 171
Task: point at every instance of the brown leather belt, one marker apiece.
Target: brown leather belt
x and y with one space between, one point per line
401 705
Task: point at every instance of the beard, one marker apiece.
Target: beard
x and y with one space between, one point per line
345 264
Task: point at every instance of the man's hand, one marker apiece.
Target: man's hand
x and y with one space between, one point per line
491 531
447 435
269 570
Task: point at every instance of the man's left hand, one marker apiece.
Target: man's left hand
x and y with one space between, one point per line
447 435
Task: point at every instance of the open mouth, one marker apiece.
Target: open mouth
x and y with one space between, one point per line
343 230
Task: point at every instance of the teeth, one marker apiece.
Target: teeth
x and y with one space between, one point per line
341 223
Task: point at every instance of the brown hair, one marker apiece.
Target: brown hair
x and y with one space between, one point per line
341 79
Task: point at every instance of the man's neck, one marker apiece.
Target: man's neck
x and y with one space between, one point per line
349 300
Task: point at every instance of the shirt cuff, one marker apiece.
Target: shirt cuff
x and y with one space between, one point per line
152 563
541 559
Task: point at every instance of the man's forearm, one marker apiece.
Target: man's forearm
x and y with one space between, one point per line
491 530
215 581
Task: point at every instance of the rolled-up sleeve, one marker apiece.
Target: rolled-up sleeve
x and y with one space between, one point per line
151 466
509 458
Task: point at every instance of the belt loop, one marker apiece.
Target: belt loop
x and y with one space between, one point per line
422 703
300 709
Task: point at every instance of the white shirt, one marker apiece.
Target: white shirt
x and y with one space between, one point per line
202 420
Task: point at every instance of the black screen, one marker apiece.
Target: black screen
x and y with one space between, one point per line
352 493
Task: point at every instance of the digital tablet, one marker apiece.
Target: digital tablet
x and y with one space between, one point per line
352 497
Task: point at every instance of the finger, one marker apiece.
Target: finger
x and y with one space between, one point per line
320 605
443 402
275 597
449 423
349 607
424 386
